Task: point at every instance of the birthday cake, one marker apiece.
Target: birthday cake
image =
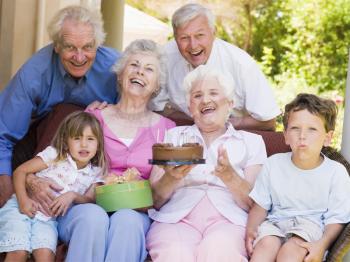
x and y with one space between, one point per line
169 152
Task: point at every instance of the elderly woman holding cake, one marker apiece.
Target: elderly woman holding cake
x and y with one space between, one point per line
201 210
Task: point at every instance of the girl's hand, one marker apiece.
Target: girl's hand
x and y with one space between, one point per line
223 169
28 207
62 203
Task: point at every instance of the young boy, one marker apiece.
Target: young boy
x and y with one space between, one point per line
301 197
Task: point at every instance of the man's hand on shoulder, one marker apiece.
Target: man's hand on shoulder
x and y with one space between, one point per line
6 189
97 105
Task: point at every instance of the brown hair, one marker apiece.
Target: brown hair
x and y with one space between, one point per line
324 108
72 126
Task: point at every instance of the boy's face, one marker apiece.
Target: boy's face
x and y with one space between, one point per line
306 135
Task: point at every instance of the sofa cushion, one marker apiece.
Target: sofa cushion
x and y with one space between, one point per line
274 141
48 126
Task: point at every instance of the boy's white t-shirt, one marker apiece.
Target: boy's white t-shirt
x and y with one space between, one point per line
286 191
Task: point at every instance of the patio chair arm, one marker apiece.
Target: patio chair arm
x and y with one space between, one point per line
340 247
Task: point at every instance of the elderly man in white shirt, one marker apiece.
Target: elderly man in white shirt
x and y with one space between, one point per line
201 211
195 44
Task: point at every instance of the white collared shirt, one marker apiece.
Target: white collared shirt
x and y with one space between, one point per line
66 174
244 149
253 94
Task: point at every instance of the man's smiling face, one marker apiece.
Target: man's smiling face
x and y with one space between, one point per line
77 49
195 40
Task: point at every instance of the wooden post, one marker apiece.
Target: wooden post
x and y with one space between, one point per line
345 145
113 16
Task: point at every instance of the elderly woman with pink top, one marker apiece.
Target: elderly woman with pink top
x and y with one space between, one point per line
130 129
201 210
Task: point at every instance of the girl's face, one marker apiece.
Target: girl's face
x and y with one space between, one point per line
83 148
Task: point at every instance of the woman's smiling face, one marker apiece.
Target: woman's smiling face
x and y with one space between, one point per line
140 76
209 105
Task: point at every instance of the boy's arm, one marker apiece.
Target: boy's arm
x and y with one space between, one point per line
317 249
26 205
256 216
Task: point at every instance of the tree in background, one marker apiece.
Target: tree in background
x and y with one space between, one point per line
301 45
290 38
304 39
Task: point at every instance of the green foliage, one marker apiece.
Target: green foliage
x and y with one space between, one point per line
301 45
305 39
143 6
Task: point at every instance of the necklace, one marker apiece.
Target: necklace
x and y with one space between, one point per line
131 116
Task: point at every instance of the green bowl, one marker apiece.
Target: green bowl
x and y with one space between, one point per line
131 195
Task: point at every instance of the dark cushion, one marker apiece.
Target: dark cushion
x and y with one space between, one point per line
48 126
274 141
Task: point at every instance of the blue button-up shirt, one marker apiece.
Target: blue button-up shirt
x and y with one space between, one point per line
40 84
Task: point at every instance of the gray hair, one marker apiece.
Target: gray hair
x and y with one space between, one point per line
190 11
143 46
203 72
79 14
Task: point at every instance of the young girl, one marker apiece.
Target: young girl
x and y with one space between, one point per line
76 162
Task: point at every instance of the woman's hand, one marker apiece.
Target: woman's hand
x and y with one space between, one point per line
42 190
61 204
164 180
237 185
177 172
223 169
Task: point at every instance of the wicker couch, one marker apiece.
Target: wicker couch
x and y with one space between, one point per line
274 144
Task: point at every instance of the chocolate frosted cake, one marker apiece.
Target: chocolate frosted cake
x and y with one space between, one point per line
168 152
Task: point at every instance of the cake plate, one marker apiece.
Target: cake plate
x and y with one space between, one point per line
176 162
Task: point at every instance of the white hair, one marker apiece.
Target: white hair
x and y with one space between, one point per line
78 14
148 47
203 72
190 11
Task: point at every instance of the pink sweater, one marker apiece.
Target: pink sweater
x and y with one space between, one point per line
121 156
